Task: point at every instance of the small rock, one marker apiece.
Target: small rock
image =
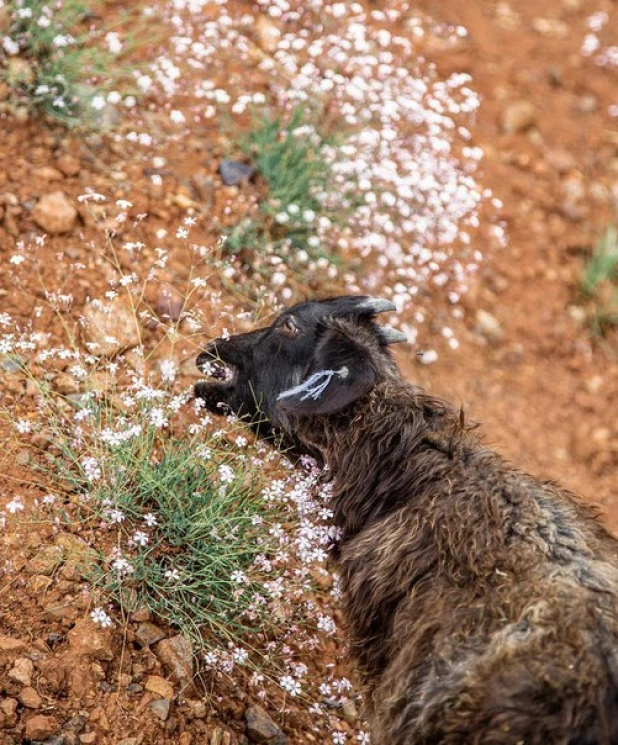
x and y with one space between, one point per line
77 552
160 686
76 723
65 384
160 708
40 727
47 173
142 613
184 201
217 736
68 164
46 561
88 738
551 27
176 655
22 458
128 741
55 213
489 325
10 366
21 672
588 103
267 34
8 707
349 711
560 160
519 116
234 172
148 634
9 644
30 698
197 709
110 327
87 640
261 728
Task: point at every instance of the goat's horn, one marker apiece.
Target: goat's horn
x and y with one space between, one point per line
389 335
377 305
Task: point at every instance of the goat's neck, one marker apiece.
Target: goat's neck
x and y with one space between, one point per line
386 451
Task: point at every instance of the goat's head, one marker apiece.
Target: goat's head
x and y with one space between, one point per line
316 358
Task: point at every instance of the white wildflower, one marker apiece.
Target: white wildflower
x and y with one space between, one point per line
100 617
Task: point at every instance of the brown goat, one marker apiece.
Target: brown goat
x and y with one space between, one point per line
481 603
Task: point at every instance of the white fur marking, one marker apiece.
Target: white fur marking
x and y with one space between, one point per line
315 385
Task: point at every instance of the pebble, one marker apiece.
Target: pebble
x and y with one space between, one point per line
8 707
588 103
87 640
9 366
65 384
160 708
142 613
197 709
560 160
160 686
518 116
234 172
40 727
46 561
68 164
176 655
22 458
261 728
110 327
77 551
9 644
47 173
219 737
55 213
349 711
148 634
21 672
30 698
489 325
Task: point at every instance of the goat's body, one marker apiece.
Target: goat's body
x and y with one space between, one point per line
481 603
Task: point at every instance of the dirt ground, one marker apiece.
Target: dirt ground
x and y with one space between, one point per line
528 368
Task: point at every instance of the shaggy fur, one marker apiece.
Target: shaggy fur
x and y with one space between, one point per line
481 603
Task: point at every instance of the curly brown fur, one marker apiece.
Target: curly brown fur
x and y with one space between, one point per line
481 603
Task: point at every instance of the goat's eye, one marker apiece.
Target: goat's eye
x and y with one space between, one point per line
289 327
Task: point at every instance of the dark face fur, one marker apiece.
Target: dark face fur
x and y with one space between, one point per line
316 358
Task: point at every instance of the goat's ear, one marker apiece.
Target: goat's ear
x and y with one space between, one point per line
340 372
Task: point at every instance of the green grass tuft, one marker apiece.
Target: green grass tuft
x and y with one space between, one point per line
599 281
292 158
56 60
603 264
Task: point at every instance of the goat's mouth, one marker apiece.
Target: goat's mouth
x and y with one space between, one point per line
217 387
216 371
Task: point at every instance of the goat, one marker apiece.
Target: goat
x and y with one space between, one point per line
480 602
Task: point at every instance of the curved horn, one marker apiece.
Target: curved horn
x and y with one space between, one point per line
377 305
389 335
